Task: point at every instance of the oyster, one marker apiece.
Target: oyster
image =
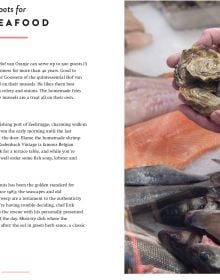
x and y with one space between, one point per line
198 76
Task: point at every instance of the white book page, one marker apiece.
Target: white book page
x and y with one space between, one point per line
61 136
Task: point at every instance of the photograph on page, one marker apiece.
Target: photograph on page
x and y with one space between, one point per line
172 137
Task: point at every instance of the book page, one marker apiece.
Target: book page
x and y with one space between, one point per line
61 143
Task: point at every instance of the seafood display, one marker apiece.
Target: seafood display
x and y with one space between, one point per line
175 215
198 75
172 171
147 249
171 139
174 222
177 211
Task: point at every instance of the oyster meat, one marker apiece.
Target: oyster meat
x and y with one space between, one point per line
198 76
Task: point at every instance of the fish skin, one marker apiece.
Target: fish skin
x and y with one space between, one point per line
154 270
129 73
134 83
205 258
174 214
151 252
159 175
176 242
147 222
206 220
147 98
147 197
171 139
141 81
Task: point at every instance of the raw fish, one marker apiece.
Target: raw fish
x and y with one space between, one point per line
145 249
171 139
146 98
177 240
205 258
160 175
208 220
146 197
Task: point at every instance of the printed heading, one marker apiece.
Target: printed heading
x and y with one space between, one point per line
19 10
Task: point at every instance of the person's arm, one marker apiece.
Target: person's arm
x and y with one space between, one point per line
209 38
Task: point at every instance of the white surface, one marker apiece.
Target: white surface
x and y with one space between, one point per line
205 164
151 60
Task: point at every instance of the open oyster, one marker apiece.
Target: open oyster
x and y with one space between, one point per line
198 76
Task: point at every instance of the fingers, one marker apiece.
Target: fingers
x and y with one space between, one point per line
173 60
181 98
200 120
209 37
215 117
175 85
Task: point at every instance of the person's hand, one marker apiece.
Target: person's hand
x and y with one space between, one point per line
209 38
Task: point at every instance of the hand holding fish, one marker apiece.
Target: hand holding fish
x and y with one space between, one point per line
211 39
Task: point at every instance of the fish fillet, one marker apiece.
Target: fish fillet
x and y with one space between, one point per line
171 139
146 98
158 83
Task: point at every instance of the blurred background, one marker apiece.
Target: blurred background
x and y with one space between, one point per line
156 29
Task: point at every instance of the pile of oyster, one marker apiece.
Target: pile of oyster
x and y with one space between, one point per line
198 76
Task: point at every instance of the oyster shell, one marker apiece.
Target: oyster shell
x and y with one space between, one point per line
206 69
202 100
198 76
